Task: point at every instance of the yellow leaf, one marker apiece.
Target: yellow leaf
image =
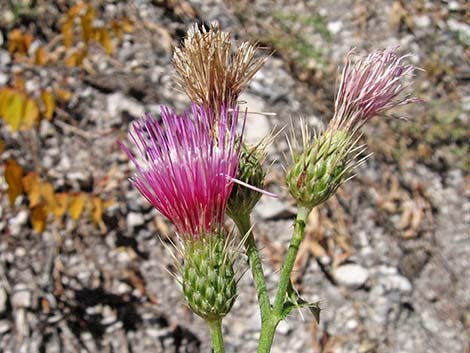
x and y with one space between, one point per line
62 199
32 186
38 218
67 32
48 195
31 114
49 104
13 175
76 205
96 213
40 56
5 94
13 110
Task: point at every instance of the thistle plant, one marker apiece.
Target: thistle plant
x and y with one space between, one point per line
185 166
195 169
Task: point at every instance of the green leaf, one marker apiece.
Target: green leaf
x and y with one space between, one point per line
294 301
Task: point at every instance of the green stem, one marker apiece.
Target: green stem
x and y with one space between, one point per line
215 328
266 337
298 236
268 328
243 224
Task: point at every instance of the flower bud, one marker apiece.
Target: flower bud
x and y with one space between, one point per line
208 277
324 165
243 199
368 87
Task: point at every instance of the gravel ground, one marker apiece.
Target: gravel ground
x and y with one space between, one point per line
388 257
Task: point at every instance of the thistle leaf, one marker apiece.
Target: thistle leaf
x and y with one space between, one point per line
294 301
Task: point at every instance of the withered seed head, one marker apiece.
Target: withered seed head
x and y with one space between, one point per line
207 70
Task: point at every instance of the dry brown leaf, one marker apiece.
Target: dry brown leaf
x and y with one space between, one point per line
38 218
183 8
316 249
46 307
136 281
96 210
164 35
117 29
40 56
32 186
19 42
48 195
77 203
77 9
18 82
67 32
62 200
72 59
2 146
49 103
406 215
15 41
127 24
340 259
409 233
396 15
87 24
417 218
314 231
62 95
104 38
75 56
13 175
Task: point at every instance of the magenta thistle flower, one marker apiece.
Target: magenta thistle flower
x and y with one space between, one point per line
186 165
371 86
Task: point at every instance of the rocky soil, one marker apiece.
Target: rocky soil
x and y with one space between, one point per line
388 257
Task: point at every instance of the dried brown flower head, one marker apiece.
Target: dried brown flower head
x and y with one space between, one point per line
208 71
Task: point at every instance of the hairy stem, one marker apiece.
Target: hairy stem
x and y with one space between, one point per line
298 236
268 327
243 225
215 328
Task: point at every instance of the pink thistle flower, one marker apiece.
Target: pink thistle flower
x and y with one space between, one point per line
371 86
186 165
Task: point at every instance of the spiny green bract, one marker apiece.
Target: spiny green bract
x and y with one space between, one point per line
208 277
317 173
243 199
